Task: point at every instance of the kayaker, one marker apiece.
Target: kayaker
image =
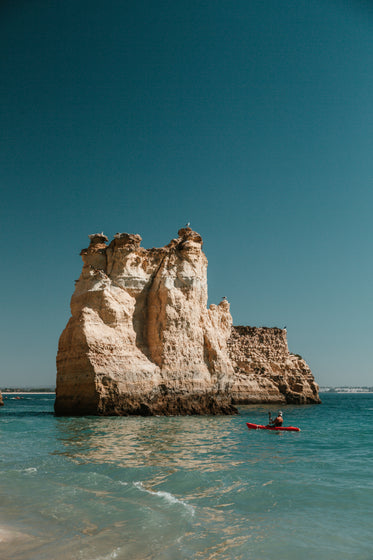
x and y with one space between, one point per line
278 421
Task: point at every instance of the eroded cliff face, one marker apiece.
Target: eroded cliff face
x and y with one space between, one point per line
141 339
265 371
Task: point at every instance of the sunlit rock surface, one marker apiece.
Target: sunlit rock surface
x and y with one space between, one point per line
141 339
265 371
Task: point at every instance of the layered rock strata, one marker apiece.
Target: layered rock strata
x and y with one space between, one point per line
265 370
141 339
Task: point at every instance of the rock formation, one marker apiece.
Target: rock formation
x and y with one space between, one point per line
142 341
1 400
265 371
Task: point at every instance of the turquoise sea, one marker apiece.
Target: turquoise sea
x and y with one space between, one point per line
187 487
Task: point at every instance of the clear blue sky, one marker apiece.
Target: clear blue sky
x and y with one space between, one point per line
251 119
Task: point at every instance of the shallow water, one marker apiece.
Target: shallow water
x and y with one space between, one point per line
187 487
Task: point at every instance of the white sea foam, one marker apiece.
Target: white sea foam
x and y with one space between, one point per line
112 555
29 470
167 496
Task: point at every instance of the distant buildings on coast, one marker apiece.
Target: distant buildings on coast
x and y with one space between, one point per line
27 390
346 389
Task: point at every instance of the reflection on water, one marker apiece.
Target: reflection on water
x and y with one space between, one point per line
173 476
201 443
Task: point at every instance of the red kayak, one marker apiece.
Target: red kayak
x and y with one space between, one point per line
274 428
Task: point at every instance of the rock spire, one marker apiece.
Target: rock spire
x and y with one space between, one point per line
141 339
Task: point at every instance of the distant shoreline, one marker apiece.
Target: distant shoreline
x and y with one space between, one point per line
351 391
28 392
346 392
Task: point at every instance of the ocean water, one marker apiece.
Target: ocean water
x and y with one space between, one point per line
187 487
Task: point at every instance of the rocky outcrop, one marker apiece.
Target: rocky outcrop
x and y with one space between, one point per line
1 400
141 340
265 371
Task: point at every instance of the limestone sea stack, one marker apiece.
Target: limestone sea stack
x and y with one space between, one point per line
141 339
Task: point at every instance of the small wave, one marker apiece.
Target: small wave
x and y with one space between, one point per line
112 555
170 498
29 470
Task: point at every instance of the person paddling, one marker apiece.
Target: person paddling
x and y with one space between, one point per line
278 421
